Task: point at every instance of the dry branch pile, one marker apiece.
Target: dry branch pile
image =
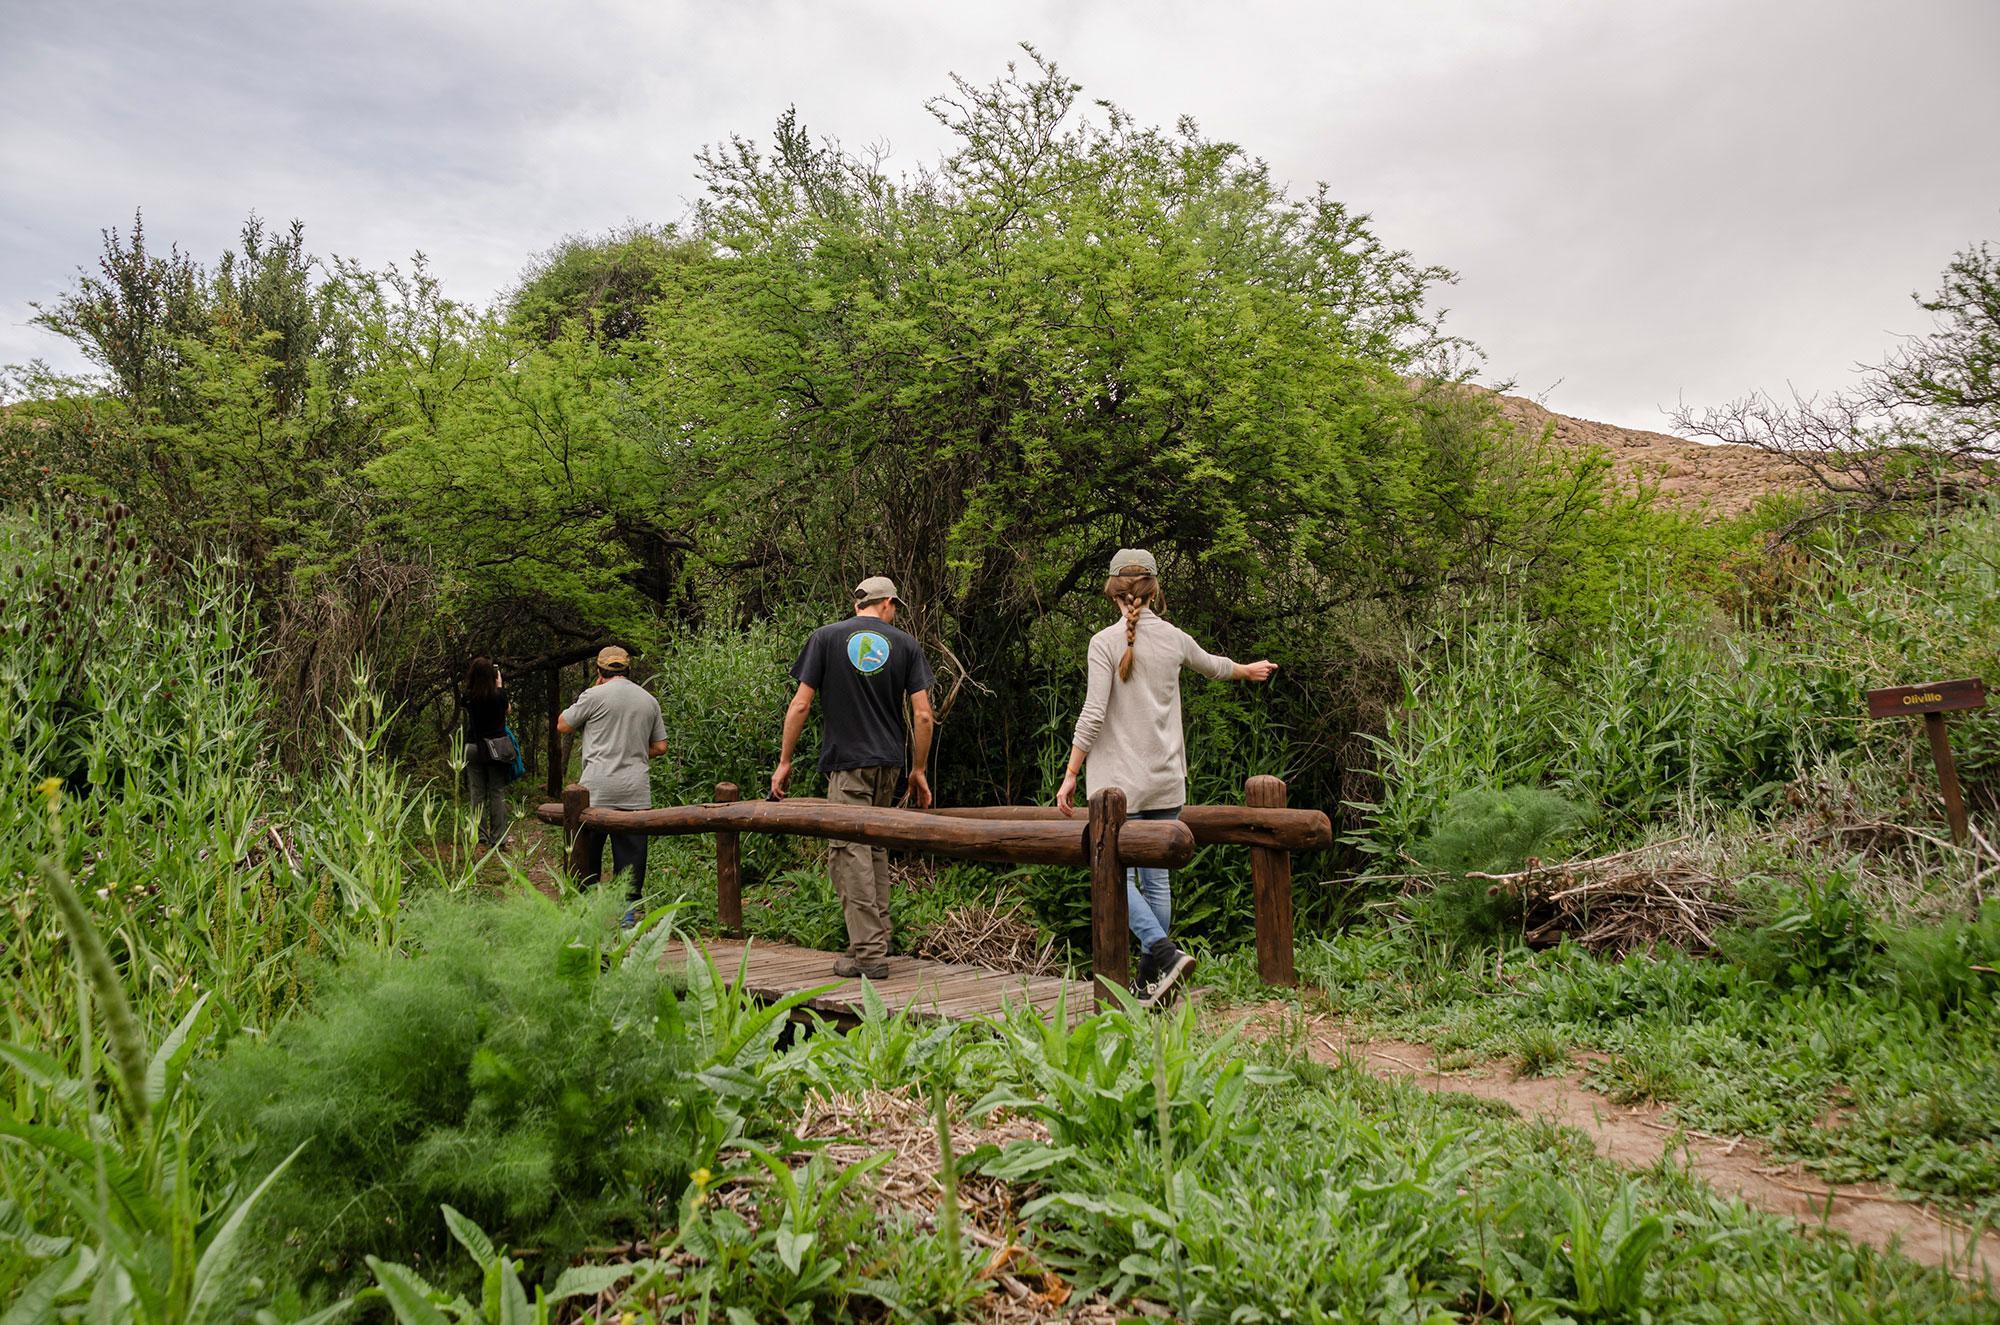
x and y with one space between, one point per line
1620 902
998 935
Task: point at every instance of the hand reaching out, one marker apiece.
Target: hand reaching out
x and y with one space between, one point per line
1066 796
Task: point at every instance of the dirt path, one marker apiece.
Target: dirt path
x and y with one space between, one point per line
1638 1136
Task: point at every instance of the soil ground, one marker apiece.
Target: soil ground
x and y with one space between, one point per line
1639 1136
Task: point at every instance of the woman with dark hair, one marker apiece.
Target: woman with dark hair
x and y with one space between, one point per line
486 741
1130 731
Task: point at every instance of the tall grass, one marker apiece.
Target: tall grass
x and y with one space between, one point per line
1676 703
202 876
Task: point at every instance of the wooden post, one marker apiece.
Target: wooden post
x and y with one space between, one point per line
1110 935
575 800
1954 800
557 764
728 872
1271 890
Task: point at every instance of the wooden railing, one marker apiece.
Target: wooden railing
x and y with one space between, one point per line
1102 840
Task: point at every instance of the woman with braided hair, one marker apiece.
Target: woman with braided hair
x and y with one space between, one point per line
1130 731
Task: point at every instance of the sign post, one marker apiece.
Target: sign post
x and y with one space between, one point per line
1933 702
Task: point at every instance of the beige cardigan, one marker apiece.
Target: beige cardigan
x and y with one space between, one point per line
1132 729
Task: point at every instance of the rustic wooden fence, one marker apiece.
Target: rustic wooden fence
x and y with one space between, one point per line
1102 840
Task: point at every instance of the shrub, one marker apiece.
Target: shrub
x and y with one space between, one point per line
1817 933
722 696
1489 832
498 1067
1953 967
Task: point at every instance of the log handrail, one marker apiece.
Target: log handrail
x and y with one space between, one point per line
1103 839
1159 843
1240 825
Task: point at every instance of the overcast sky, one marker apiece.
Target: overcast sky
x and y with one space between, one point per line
1645 201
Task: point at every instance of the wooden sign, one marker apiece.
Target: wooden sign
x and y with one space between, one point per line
1933 701
1938 697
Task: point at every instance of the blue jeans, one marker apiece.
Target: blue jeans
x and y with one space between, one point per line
1149 898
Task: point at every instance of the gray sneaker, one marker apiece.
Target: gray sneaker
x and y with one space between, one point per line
847 968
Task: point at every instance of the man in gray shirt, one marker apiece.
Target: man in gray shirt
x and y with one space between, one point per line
621 729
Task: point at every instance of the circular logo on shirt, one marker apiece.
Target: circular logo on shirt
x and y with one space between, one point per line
868 652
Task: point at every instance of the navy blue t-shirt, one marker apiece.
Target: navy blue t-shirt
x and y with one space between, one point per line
862 668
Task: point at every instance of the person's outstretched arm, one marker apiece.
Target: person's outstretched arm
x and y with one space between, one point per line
1218 668
796 714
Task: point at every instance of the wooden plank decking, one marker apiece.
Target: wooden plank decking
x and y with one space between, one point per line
930 990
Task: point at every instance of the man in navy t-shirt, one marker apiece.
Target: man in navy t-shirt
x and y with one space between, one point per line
862 668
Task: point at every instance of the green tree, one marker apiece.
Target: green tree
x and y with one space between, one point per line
1063 337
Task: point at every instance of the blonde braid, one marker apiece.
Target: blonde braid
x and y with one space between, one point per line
1133 591
1133 606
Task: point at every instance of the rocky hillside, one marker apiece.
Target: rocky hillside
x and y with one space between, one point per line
1725 479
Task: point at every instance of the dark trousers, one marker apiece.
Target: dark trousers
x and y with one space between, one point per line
487 781
628 857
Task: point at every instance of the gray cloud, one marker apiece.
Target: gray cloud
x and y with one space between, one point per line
1644 202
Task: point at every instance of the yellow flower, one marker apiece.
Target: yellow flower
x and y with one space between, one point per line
50 787
701 1177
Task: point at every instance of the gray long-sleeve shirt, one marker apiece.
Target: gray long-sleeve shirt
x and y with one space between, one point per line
1132 729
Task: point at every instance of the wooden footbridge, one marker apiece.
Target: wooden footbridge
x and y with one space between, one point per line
1103 841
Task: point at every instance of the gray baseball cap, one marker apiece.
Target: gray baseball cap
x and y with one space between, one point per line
874 589
1128 558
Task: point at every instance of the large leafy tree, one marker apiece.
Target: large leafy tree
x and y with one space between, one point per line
1066 336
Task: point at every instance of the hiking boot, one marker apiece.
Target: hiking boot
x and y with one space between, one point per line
1170 965
847 968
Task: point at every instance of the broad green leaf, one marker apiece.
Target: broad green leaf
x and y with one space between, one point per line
588 1280
35 1304
470 1236
16 1228
409 1296
209 1271
163 1071
36 1066
792 1247
514 1308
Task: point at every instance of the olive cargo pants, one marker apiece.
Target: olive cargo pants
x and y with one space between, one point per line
860 872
